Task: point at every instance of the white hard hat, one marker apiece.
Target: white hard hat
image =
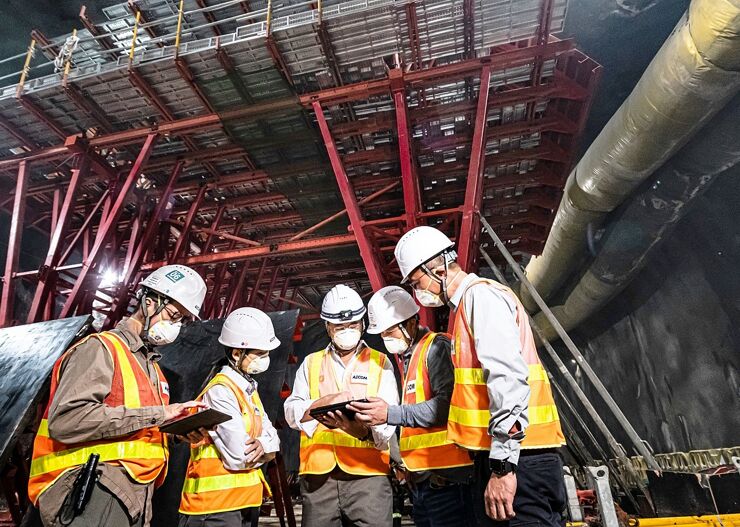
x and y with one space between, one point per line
248 328
389 306
179 283
418 246
342 304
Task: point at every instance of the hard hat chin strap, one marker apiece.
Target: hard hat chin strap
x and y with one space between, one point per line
442 281
237 365
161 304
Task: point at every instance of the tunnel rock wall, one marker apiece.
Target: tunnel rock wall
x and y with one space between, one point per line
668 347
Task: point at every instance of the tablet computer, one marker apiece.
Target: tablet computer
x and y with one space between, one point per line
320 413
207 419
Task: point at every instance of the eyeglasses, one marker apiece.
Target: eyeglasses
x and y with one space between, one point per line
176 316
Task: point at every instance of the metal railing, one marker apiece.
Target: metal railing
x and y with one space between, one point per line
626 474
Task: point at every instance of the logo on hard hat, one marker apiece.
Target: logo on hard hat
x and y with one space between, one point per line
175 276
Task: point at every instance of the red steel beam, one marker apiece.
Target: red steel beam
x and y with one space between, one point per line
184 238
84 231
372 263
45 287
561 87
470 230
457 70
551 123
272 250
342 212
108 226
215 224
7 298
348 93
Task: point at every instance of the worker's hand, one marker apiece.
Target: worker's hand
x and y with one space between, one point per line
195 437
373 413
339 420
326 401
254 452
499 496
173 411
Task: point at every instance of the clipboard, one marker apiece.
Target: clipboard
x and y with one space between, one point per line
207 419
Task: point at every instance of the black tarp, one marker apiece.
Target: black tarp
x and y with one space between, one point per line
186 364
27 355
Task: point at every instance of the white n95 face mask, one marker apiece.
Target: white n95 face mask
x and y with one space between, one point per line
163 332
395 345
258 365
347 339
428 299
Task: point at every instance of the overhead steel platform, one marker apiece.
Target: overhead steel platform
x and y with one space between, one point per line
281 148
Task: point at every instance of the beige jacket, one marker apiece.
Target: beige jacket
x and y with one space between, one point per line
77 414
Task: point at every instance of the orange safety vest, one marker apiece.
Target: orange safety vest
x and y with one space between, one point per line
143 453
426 448
326 448
469 407
210 487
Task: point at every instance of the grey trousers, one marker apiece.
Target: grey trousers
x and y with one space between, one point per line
241 518
103 509
360 502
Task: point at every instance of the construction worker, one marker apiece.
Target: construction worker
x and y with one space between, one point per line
437 471
344 463
108 396
224 485
501 390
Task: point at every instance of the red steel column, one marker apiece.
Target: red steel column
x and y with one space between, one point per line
369 257
182 241
7 299
470 226
409 176
283 292
236 289
275 272
131 266
411 198
107 227
252 298
48 273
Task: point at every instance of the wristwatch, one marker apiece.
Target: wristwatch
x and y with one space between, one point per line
501 467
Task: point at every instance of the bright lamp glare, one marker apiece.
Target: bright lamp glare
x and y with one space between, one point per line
110 277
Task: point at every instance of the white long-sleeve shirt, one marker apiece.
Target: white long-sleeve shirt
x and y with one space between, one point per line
300 400
230 437
492 318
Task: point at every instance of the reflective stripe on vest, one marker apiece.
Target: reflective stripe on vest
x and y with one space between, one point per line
469 407
143 454
327 448
426 448
209 486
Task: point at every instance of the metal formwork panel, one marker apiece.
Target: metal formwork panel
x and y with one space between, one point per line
347 57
